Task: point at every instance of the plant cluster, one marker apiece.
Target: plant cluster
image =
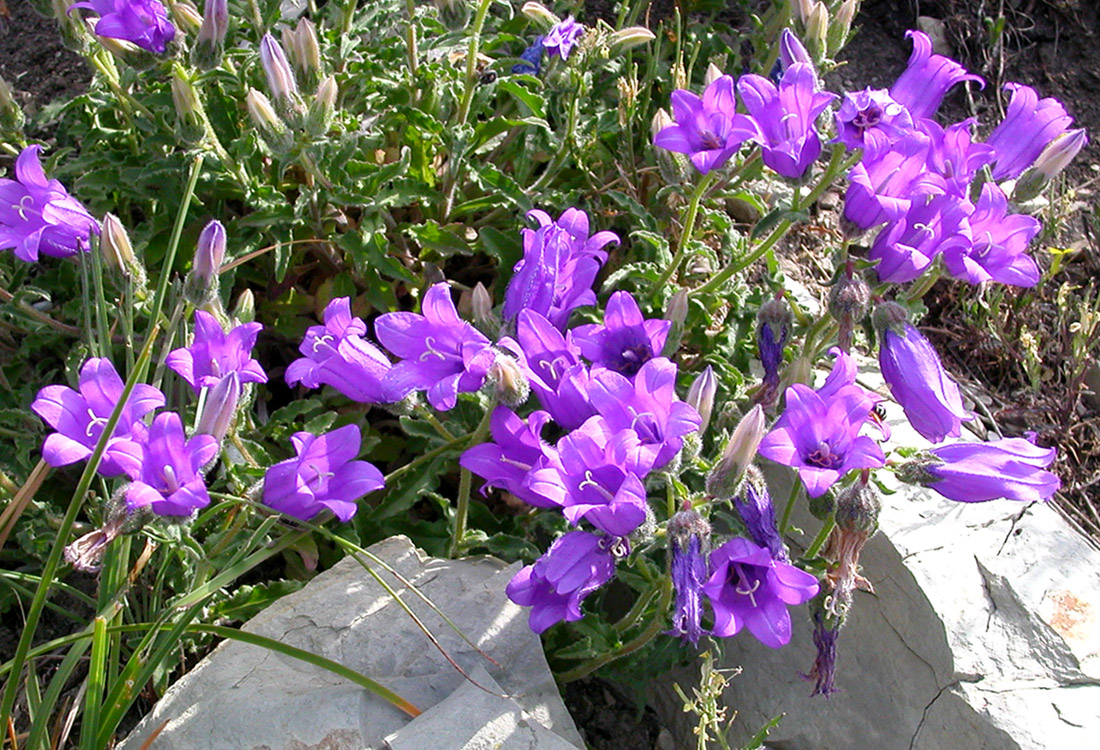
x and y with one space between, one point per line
329 175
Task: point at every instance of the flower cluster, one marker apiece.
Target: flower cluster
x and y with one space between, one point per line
141 22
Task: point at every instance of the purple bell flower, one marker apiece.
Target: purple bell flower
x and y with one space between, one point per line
748 588
560 263
708 129
883 185
553 367
998 251
755 507
871 119
927 78
563 37
336 354
1010 468
323 475
442 353
80 416
648 406
912 369
532 58
905 248
786 116
213 354
169 480
953 155
142 22
625 341
555 585
820 436
517 450
38 216
598 478
1029 125
791 50
689 542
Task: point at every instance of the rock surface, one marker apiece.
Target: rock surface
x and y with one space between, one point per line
243 696
983 632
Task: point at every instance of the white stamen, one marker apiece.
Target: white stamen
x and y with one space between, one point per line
429 344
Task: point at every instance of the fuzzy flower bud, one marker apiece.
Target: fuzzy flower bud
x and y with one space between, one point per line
701 394
725 478
481 310
190 116
304 50
773 328
322 108
848 302
713 74
791 50
629 38
689 541
540 14
245 309
817 30
675 313
280 79
220 407
509 381
11 114
272 129
202 282
210 42
1053 159
118 253
801 9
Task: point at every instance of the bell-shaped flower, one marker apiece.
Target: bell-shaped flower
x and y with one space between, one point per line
142 22
786 115
927 78
322 475
169 480
954 155
213 354
906 247
1029 125
754 504
532 58
689 542
563 37
648 406
820 437
560 262
871 119
517 450
708 129
553 367
625 341
336 354
443 354
80 416
38 216
999 248
555 585
1010 468
598 478
886 181
912 369
748 588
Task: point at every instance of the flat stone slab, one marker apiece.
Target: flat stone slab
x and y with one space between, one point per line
243 697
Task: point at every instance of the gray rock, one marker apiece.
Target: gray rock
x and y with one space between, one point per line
243 696
983 632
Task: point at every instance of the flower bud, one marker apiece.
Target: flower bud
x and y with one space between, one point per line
11 114
509 381
676 313
186 16
848 302
801 9
628 38
725 477
773 327
190 116
210 42
713 74
839 29
322 108
700 395
817 31
220 408
272 129
280 79
202 282
481 310
118 253
304 50
540 14
791 50
1053 159
245 309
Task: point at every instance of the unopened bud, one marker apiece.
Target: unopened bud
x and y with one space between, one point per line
841 26
848 302
700 396
280 79
322 108
817 31
210 42
272 129
1054 158
858 508
676 312
481 309
114 244
190 116
509 381
713 74
628 38
11 114
202 283
304 50
186 16
245 309
540 14
801 9
221 407
725 478
791 50
661 120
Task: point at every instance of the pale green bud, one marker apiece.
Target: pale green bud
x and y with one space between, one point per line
304 50
1054 158
540 14
713 74
725 478
272 129
11 114
190 116
628 38
322 108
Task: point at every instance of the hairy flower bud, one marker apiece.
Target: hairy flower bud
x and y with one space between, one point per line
245 309
1053 159
801 9
841 25
118 253
725 477
210 42
701 394
675 313
773 328
272 129
817 31
220 407
280 80
11 114
304 51
713 74
629 38
322 108
509 381
791 50
848 302
202 282
190 116
540 14
481 310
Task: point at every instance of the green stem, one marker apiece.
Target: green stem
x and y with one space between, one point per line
429 417
785 522
685 233
822 536
53 561
566 143
922 285
465 478
651 631
410 41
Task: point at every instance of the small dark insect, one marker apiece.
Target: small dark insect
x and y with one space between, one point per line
879 412
487 77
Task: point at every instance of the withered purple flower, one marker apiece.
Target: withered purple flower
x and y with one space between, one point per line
689 542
